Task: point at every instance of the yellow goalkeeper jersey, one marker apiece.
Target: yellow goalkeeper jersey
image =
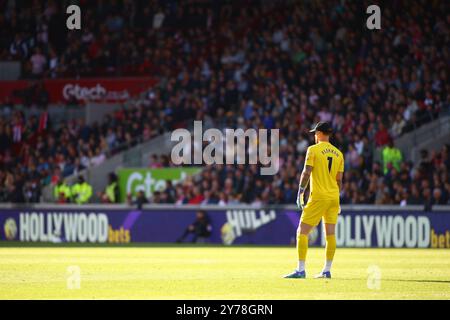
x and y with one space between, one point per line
326 161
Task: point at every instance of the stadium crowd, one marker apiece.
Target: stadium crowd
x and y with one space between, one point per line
274 64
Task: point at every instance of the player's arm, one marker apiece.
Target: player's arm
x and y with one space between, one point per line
306 174
304 179
340 174
339 180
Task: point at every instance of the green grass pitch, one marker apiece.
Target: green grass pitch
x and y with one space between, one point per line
215 272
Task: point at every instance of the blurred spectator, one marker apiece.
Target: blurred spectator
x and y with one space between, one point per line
391 155
38 63
382 136
62 191
437 197
111 193
154 162
81 191
139 201
32 191
200 229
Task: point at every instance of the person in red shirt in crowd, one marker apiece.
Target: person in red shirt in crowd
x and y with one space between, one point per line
382 136
197 196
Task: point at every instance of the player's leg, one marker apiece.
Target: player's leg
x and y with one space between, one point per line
330 247
302 248
302 244
310 218
330 220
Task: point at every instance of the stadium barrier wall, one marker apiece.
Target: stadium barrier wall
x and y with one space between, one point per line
358 226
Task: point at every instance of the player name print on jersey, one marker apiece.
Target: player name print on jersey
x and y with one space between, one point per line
328 150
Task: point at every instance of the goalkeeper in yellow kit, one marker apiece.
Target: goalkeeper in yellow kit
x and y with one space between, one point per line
324 163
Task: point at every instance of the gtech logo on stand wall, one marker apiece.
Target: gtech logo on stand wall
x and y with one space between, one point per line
150 180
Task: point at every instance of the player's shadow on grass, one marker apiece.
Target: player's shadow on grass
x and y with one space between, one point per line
405 280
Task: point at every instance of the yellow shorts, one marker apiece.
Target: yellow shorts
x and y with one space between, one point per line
315 209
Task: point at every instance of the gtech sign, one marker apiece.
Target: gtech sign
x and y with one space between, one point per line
94 93
92 89
132 181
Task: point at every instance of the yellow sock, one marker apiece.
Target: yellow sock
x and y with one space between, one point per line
331 247
302 246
